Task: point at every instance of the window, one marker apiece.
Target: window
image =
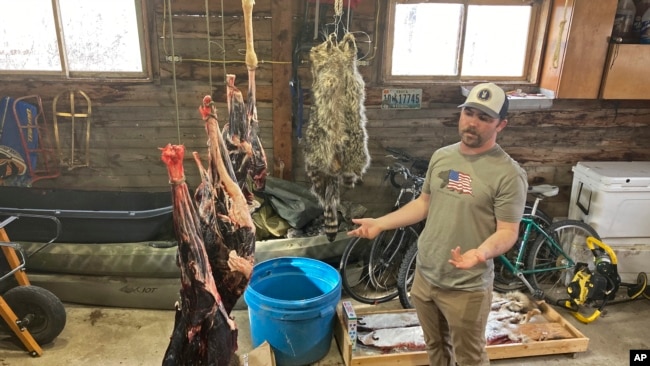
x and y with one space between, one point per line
73 38
464 40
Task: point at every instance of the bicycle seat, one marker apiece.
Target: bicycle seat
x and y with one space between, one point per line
545 190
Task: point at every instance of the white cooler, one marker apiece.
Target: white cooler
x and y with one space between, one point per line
614 198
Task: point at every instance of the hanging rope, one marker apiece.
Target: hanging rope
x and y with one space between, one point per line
338 14
171 36
338 8
207 27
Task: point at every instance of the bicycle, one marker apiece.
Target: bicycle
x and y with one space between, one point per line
545 270
504 280
369 268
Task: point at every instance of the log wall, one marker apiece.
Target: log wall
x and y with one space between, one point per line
132 120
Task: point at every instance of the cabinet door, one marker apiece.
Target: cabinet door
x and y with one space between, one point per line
627 75
576 48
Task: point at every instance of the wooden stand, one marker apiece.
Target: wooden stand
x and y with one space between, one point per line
578 343
5 311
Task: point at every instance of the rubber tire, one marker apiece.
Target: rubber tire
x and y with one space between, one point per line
354 271
405 277
49 316
386 254
537 250
504 280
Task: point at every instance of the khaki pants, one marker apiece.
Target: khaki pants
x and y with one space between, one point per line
453 323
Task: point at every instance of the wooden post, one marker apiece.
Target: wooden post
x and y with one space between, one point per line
281 53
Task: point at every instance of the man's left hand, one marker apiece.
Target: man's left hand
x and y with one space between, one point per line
468 259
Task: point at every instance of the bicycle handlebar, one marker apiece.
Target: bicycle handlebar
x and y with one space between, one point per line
399 154
418 165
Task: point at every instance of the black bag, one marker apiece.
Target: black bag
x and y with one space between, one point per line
293 202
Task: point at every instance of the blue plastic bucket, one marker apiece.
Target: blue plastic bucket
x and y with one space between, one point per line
291 304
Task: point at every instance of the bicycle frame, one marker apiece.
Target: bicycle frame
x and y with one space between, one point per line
516 268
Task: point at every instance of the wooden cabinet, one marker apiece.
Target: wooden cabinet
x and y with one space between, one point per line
577 47
627 72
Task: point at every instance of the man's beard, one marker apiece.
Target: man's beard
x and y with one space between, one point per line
471 138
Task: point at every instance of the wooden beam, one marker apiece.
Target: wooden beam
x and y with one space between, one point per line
281 55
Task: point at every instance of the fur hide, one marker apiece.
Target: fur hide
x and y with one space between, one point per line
336 141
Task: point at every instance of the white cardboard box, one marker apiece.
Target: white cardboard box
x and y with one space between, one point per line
350 318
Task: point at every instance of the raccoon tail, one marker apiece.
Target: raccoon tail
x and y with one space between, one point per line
330 209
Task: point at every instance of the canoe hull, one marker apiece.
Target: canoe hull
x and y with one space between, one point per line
86 216
144 274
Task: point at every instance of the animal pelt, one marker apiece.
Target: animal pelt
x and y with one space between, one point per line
515 301
507 312
336 141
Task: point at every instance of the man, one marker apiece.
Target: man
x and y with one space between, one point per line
473 199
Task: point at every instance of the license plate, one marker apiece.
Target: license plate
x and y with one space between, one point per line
401 99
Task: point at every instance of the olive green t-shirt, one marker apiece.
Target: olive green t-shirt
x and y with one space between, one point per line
469 193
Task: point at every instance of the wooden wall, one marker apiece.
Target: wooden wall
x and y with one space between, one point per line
131 120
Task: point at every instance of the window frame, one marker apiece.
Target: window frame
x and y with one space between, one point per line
66 74
540 14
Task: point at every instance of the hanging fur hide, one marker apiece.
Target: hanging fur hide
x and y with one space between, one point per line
336 141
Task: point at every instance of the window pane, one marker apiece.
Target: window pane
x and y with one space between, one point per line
494 47
101 35
28 42
426 39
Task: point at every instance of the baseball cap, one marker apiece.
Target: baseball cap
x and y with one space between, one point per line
488 98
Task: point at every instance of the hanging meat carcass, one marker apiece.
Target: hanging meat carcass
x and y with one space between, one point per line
241 134
215 231
203 332
216 237
336 141
242 139
228 225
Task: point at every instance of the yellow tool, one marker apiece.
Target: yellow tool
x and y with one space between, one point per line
600 285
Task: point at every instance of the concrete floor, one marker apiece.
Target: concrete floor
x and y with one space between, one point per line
133 337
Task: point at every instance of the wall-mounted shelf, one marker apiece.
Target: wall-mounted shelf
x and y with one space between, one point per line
521 101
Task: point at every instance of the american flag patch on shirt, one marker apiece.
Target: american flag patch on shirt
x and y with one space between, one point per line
460 182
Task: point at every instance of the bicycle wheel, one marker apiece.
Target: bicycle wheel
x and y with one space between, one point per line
504 279
386 254
571 236
405 276
355 274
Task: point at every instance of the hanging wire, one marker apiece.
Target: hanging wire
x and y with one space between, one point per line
347 23
223 61
374 49
171 36
223 44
